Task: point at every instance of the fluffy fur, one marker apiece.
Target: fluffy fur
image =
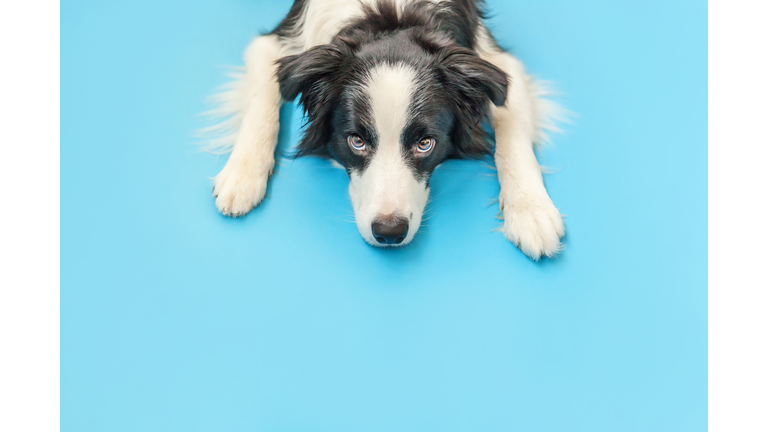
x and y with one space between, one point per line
390 90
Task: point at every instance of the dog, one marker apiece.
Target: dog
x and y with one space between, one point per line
390 90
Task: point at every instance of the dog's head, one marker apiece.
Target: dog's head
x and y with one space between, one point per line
389 110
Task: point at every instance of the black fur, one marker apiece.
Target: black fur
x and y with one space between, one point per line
318 75
292 21
458 19
437 43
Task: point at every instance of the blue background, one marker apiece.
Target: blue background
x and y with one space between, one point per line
175 318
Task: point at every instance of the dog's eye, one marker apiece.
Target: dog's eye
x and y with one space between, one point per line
425 145
356 142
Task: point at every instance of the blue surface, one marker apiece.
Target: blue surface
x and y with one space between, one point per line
175 318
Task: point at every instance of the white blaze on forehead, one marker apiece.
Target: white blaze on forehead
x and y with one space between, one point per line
390 90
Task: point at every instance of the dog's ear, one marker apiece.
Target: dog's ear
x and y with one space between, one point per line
314 74
475 79
473 84
305 73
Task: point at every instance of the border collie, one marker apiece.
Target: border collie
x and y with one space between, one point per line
390 90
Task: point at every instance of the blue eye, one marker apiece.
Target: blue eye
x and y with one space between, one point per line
425 145
356 142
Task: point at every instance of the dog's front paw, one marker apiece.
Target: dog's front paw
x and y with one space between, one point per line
239 188
533 224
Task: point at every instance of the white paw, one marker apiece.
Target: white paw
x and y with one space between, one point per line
533 224
240 187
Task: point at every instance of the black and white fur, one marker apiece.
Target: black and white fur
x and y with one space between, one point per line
381 81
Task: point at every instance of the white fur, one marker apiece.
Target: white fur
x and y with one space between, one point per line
531 220
320 21
387 186
242 183
230 104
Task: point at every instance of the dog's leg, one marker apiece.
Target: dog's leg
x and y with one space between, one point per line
242 183
531 221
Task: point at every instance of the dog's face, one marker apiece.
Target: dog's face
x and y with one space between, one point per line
390 111
390 132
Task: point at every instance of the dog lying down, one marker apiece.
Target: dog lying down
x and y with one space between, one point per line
391 89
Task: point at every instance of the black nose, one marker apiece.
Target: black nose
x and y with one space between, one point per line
390 230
